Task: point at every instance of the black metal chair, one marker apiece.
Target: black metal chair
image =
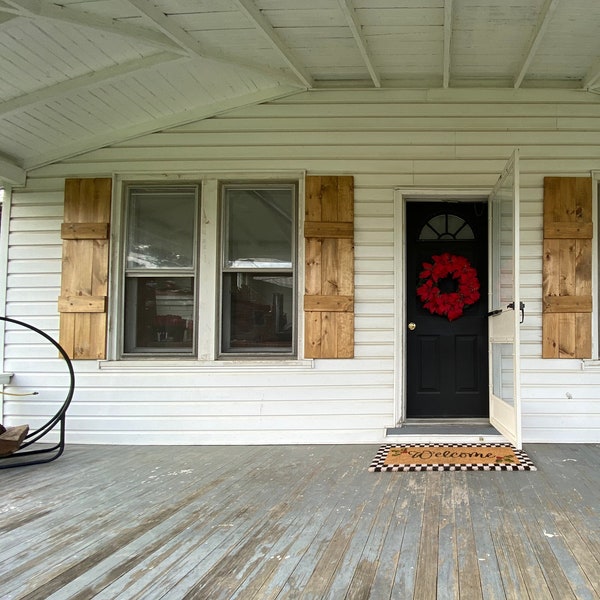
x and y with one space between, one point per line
25 454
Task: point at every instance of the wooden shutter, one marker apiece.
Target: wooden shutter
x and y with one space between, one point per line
84 285
567 270
329 286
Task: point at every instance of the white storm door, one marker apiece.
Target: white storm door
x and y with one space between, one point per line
506 311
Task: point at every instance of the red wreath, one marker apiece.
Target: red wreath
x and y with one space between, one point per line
448 304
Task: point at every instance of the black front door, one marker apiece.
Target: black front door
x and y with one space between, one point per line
446 257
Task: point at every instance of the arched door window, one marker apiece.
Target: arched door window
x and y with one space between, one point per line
446 227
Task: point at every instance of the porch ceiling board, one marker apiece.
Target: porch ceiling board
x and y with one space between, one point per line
73 74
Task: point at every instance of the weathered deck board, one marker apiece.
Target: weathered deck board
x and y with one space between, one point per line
297 522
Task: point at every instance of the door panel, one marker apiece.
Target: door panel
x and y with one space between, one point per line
505 316
467 350
447 370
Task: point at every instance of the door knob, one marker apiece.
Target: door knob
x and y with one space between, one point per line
412 326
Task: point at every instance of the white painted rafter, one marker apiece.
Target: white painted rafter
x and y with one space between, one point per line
184 117
260 22
45 10
88 80
350 13
12 173
5 17
536 39
448 14
190 44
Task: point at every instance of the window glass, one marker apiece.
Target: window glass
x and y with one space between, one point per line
159 314
258 312
258 227
161 228
258 283
446 226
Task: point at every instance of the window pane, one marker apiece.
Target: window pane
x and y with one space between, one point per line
159 314
258 227
258 312
161 227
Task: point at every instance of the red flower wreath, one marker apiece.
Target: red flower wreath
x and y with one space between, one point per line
449 304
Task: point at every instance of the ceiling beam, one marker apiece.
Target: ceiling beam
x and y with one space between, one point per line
190 44
592 76
11 173
356 28
255 15
448 14
184 117
542 25
45 10
88 80
5 17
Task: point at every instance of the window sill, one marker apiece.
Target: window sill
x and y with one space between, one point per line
5 378
590 364
165 365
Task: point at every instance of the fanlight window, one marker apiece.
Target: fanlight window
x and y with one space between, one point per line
446 227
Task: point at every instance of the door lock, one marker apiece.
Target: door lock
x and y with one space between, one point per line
412 326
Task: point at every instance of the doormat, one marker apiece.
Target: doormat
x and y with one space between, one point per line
450 457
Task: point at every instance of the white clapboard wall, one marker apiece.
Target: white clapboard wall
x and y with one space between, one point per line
413 139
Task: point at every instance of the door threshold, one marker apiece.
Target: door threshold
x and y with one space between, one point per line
445 430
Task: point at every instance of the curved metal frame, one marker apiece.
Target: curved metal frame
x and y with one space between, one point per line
59 418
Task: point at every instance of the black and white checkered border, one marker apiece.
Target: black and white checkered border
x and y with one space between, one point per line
378 466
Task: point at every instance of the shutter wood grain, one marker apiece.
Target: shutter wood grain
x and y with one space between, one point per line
567 268
329 267
84 278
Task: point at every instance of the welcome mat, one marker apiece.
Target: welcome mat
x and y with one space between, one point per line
450 457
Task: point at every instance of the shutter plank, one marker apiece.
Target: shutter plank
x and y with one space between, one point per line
75 304
313 266
329 303
329 268
567 268
564 304
84 279
345 335
84 231
326 229
312 335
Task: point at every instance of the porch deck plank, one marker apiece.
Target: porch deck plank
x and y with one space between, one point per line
469 583
429 542
485 523
574 544
297 522
215 539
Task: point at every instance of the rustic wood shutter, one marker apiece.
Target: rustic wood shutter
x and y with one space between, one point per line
84 286
329 286
567 270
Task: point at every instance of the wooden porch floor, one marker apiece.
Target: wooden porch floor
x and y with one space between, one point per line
297 522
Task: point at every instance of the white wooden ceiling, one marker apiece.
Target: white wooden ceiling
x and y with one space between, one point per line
77 75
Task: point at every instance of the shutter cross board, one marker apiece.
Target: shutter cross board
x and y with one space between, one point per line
329 269
84 280
567 268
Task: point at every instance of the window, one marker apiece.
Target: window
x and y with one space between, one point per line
257 269
223 285
160 269
446 227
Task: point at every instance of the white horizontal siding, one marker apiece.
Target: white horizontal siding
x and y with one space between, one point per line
386 139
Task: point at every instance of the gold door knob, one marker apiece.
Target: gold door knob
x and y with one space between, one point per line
412 326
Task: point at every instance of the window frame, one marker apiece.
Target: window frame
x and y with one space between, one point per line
222 268
130 273
207 333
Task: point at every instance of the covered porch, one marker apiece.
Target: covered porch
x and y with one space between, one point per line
301 521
